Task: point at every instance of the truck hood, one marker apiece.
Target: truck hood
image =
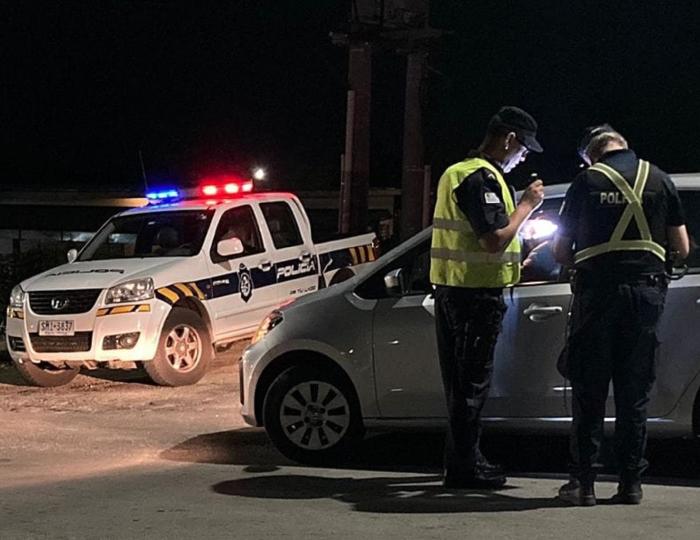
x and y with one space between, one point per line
100 274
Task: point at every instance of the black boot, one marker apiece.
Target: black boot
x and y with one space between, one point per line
628 492
577 493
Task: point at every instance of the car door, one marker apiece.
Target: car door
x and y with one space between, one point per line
242 286
295 265
407 374
525 380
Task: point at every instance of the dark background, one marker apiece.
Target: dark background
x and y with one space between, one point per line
205 86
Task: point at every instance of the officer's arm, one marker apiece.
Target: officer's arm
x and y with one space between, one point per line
679 241
564 250
497 240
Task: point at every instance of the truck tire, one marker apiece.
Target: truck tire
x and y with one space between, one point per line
341 275
44 374
184 350
312 415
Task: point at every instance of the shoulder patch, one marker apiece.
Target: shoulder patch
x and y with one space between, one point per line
491 198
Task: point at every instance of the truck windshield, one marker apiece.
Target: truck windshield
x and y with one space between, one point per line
152 234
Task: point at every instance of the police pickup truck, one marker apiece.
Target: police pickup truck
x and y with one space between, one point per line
167 283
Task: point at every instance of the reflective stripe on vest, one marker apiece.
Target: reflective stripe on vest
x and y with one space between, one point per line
633 196
485 257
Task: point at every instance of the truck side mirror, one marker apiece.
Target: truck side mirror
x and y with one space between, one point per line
72 255
230 247
394 282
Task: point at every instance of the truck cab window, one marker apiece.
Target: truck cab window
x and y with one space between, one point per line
239 223
282 224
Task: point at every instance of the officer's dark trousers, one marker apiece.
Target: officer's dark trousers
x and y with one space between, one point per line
613 337
468 322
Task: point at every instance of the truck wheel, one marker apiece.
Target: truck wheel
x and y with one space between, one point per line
312 415
341 275
184 350
45 374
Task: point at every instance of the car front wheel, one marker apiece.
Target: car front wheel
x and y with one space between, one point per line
184 350
312 415
45 374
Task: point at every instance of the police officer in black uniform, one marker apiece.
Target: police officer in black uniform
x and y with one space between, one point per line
475 253
622 221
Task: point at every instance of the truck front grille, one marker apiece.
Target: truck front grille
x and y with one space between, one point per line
63 302
80 342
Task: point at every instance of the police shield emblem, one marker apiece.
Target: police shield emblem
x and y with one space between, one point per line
245 283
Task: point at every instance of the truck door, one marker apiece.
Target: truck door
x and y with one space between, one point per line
242 286
295 262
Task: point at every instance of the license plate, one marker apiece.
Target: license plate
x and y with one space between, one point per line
56 328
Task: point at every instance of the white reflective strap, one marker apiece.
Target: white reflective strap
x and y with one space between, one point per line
475 256
452 224
621 245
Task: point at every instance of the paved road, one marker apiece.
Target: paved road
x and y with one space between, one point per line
111 456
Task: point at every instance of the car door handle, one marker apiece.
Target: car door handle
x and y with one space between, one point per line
265 265
538 312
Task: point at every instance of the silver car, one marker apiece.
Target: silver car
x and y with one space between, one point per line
363 353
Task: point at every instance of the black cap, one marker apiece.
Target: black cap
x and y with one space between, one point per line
519 122
589 133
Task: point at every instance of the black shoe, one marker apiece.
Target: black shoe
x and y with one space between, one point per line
578 494
485 465
479 479
628 493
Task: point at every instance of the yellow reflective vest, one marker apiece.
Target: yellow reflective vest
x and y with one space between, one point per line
456 258
633 198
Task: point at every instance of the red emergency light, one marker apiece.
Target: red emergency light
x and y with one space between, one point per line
225 187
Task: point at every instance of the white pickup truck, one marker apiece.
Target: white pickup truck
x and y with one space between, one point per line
166 284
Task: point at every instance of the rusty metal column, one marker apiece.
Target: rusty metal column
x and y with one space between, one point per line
413 171
356 175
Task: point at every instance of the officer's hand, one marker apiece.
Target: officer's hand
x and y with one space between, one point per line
533 195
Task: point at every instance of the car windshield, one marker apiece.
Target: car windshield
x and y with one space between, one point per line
151 234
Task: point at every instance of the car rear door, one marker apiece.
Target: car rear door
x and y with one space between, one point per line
295 264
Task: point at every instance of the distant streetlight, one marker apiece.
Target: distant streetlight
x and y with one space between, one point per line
259 173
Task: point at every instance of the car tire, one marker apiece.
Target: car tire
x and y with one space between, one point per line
44 374
312 415
184 350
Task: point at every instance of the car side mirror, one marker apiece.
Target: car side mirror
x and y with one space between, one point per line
72 255
395 282
230 247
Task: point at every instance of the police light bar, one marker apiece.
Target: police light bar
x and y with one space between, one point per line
163 196
225 189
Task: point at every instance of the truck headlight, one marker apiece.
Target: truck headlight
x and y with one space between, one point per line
17 297
268 323
130 291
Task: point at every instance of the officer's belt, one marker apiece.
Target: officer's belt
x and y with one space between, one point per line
588 279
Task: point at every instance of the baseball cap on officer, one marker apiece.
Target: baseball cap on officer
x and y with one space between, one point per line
589 134
519 122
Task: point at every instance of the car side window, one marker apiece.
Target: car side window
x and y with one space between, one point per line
238 223
691 208
537 239
282 224
416 271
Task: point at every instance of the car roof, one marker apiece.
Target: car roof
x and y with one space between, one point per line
682 181
204 204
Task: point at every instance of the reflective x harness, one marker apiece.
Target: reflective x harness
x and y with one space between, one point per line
633 197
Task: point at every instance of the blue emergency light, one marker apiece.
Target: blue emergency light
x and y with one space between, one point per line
163 196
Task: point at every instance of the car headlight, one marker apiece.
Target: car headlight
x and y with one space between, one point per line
17 297
130 291
268 323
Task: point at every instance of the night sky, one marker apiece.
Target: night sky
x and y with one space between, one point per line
208 86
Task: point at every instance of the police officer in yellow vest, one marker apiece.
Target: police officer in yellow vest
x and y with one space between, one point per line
475 254
620 219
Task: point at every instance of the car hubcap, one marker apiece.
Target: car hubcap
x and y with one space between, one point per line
183 348
314 415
